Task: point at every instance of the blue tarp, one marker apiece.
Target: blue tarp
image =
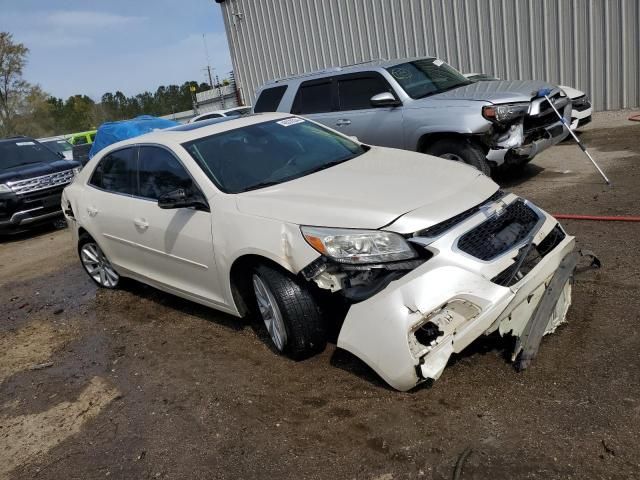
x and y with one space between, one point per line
112 132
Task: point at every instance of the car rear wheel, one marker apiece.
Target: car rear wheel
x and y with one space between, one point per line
291 316
460 151
96 264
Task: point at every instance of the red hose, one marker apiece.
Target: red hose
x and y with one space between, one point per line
600 218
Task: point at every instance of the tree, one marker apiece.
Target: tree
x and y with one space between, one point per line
13 88
35 114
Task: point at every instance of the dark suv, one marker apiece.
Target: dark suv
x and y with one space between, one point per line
31 181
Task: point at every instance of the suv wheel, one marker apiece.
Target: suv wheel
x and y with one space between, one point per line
460 151
96 263
290 314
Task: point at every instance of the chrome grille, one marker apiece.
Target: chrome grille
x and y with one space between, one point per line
21 187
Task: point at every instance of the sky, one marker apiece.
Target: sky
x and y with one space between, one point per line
89 47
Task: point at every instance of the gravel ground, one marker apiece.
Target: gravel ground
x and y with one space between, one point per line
135 383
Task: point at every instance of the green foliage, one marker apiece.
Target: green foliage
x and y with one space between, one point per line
26 110
164 101
13 89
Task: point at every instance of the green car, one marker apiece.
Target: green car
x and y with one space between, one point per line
82 138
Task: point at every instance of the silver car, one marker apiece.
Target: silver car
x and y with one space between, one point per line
425 105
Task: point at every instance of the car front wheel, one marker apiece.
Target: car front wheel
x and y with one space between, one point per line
460 151
291 316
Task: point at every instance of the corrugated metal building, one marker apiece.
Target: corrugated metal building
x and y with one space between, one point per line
592 45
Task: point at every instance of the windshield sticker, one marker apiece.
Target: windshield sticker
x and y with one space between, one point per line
401 73
24 144
438 63
287 122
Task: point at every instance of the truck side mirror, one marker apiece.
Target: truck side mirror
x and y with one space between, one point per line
385 99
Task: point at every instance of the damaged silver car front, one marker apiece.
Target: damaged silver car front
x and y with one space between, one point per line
522 130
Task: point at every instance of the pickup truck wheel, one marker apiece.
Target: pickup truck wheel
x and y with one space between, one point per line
460 151
96 264
290 314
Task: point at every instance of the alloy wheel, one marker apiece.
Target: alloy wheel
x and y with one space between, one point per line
270 313
97 266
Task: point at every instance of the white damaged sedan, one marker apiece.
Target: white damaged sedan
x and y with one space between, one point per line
277 216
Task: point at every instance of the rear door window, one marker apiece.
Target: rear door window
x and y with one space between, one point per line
159 172
269 99
355 92
314 97
116 172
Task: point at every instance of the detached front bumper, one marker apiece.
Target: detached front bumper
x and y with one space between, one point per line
454 295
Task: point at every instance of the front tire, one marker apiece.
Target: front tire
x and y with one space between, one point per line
291 316
460 150
96 264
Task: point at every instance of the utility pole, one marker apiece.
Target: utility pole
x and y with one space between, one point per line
206 53
210 77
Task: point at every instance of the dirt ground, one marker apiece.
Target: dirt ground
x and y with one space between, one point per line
135 383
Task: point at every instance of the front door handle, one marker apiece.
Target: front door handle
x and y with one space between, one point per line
343 122
92 211
141 223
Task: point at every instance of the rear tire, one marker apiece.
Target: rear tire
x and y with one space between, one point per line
96 264
461 150
292 318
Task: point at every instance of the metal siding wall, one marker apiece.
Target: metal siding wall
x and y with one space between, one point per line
592 45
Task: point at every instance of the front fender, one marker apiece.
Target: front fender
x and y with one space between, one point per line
450 121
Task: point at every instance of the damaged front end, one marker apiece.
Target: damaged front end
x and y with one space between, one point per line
487 269
522 137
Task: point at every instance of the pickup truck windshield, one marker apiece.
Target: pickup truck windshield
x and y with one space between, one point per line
269 153
428 76
24 152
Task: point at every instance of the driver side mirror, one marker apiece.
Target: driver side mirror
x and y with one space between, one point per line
183 198
385 99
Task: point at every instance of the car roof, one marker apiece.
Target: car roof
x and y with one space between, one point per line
354 68
185 133
223 111
18 138
58 138
88 132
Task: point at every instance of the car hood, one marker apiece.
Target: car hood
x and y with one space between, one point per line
572 93
372 191
496 91
33 170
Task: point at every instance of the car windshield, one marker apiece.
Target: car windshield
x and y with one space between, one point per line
58 146
24 152
429 76
269 153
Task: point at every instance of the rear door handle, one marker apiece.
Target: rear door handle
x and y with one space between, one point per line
92 211
141 223
343 122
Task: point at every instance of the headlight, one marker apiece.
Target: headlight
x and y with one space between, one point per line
5 188
358 246
505 112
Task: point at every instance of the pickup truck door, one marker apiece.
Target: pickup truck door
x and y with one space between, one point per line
357 117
